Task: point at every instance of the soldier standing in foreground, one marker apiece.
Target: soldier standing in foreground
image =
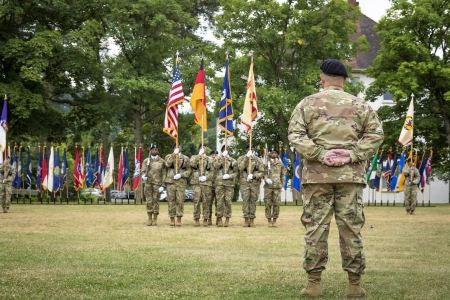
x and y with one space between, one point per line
274 178
336 133
153 176
250 182
226 173
201 180
7 174
412 178
178 171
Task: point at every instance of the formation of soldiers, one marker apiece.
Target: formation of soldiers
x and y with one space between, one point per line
213 180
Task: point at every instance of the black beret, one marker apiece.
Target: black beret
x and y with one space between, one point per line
153 146
333 67
213 152
248 147
175 145
273 149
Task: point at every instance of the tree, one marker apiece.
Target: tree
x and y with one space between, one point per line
49 64
414 59
289 40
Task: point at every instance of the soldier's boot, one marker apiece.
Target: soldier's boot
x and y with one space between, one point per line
205 223
178 221
149 221
197 223
5 210
209 221
219 222
155 219
251 224
269 222
274 222
246 222
313 289
227 221
354 286
412 212
172 221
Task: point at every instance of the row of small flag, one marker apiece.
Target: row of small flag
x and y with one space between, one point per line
51 173
391 168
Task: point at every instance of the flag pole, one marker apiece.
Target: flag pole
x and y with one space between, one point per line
203 120
250 143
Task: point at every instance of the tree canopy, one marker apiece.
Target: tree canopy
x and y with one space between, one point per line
414 60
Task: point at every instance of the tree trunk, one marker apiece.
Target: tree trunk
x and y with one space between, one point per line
137 129
105 132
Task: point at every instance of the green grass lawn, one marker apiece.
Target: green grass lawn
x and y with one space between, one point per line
107 252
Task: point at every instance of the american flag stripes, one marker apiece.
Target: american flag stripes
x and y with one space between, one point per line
176 96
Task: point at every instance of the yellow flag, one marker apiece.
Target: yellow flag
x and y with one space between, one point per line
250 105
406 136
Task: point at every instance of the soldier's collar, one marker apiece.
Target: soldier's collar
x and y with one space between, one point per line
332 87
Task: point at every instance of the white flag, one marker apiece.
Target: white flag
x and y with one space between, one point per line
51 165
406 136
108 174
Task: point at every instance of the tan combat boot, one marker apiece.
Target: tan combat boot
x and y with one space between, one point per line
219 222
155 219
246 223
252 224
197 223
5 210
269 222
227 221
205 223
274 223
210 222
172 221
313 289
354 286
178 221
149 221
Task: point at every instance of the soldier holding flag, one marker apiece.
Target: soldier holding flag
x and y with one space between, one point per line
274 178
154 176
7 175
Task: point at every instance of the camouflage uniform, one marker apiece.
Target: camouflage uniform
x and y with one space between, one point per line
272 192
7 174
250 189
225 187
334 119
411 188
176 189
213 195
155 170
202 190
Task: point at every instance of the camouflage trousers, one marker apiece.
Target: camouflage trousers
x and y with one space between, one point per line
250 194
152 196
5 194
202 193
175 198
225 196
213 201
320 202
272 202
410 197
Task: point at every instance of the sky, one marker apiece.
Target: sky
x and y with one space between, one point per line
374 9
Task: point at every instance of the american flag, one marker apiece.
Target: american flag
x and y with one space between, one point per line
176 96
